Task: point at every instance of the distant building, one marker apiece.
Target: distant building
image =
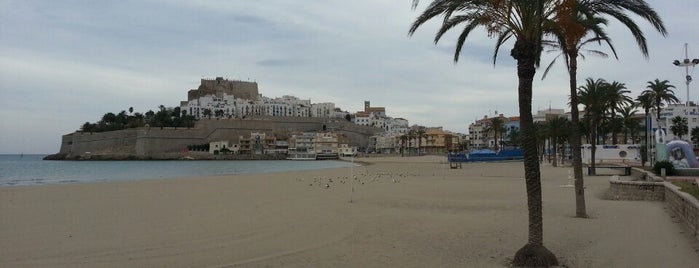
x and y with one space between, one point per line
216 147
220 86
223 98
439 141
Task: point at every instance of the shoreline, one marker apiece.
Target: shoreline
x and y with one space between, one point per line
411 211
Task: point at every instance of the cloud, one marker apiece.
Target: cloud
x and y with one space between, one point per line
82 59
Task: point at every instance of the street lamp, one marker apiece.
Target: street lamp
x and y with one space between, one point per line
686 63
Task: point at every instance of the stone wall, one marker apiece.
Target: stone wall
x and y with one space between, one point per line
635 190
168 143
684 206
119 142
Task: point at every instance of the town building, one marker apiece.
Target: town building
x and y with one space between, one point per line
689 111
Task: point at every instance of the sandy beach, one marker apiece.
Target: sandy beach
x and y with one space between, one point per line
403 212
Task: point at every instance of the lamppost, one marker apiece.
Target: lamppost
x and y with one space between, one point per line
686 63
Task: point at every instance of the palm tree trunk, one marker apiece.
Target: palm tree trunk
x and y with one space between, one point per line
555 151
594 146
575 145
533 253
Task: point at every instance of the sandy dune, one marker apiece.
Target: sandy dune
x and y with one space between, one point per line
405 212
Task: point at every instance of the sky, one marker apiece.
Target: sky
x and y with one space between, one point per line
63 63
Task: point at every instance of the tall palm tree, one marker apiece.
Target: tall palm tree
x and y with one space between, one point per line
420 133
575 21
558 128
592 95
616 100
629 121
497 126
679 126
541 129
524 21
403 139
411 140
695 135
646 101
661 92
513 137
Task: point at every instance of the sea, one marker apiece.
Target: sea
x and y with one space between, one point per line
26 170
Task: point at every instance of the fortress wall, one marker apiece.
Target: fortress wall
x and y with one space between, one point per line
156 142
102 143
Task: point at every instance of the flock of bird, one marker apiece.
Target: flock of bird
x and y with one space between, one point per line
355 179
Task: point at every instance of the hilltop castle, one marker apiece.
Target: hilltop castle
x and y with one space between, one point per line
219 86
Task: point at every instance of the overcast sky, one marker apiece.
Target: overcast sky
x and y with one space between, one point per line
63 63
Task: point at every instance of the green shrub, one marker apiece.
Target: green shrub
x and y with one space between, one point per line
667 165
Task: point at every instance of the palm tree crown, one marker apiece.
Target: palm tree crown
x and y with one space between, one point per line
661 91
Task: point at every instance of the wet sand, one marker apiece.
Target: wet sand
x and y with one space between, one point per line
403 212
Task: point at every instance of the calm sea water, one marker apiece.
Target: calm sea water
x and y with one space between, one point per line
18 170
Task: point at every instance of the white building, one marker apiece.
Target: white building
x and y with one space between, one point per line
691 112
223 106
227 106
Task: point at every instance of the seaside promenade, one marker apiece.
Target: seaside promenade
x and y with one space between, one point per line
403 212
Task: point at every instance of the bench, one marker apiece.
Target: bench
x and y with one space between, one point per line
627 169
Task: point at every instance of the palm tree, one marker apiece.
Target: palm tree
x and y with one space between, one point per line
695 135
420 133
542 135
513 137
582 18
630 124
592 95
497 126
403 139
558 129
411 140
679 126
646 101
616 100
661 91
524 21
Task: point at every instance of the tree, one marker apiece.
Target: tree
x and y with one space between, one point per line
403 139
130 110
149 114
695 135
420 133
513 137
629 122
592 95
616 99
679 126
497 126
523 20
542 135
411 139
646 101
87 127
661 92
557 129
574 21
